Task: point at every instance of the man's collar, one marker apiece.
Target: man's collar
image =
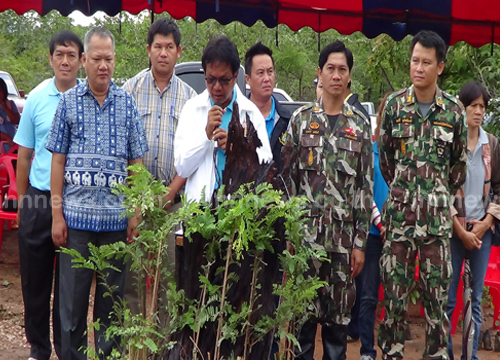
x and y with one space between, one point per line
152 78
83 88
411 98
54 91
230 105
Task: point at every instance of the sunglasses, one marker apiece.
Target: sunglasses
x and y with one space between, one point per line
222 80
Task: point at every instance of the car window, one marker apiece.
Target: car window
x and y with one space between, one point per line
10 84
195 80
279 96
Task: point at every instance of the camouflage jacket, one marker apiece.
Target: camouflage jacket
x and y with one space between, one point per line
333 168
423 160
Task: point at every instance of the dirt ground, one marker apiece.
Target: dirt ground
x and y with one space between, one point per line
13 345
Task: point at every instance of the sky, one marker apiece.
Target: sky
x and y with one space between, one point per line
80 19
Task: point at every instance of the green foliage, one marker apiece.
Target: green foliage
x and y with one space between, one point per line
245 222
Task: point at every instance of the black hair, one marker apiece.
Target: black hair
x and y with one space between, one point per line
3 87
65 38
256 49
336 47
431 40
165 27
223 50
471 91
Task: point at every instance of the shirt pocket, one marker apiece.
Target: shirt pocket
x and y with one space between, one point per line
349 152
311 152
403 137
442 137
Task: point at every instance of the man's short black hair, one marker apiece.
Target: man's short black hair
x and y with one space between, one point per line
223 50
471 91
65 38
256 49
431 40
336 47
164 27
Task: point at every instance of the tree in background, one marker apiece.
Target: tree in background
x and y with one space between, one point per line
380 64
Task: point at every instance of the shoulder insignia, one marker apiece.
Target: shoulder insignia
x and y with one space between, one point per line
395 94
282 138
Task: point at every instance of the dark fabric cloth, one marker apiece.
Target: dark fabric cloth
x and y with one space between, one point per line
334 340
354 100
279 129
75 290
37 254
332 120
370 276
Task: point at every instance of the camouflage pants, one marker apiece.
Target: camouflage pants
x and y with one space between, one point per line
397 270
334 301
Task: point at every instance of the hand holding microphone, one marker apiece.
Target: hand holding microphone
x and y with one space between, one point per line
213 130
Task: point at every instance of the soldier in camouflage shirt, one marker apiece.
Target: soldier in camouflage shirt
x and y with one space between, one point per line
327 157
423 159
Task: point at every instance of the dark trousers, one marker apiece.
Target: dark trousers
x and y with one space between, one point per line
333 336
370 276
75 286
36 255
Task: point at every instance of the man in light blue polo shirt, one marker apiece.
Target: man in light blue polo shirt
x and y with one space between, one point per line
36 248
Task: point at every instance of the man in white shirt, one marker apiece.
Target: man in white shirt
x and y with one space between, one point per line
200 140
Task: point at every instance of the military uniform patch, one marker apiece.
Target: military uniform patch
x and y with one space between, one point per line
314 125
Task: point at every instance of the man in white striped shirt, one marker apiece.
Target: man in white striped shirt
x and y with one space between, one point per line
160 96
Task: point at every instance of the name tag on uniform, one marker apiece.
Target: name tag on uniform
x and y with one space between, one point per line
349 135
313 132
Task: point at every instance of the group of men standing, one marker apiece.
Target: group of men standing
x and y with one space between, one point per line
84 134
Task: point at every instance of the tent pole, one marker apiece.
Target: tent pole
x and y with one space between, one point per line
152 11
319 32
492 38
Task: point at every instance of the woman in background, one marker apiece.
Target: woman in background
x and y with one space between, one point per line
474 213
9 115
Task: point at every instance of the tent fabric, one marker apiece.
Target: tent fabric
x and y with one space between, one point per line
476 22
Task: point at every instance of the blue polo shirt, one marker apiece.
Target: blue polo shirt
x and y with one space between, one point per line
221 154
33 131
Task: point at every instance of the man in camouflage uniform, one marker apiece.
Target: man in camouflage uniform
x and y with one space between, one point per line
327 157
423 159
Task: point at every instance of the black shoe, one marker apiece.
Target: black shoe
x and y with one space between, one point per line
487 341
407 332
497 341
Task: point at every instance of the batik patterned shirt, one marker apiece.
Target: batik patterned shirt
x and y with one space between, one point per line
98 142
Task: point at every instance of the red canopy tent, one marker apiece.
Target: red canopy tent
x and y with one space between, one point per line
476 22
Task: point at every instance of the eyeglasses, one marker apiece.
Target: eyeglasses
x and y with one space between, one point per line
222 81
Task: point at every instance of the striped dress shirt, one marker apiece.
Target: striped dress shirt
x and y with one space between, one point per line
160 112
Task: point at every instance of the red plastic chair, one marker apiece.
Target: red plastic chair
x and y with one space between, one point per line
12 149
8 189
492 280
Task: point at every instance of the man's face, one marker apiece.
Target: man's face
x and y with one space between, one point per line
66 61
220 82
163 54
424 68
335 75
262 77
99 63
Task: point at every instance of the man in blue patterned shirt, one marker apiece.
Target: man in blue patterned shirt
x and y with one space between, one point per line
96 134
